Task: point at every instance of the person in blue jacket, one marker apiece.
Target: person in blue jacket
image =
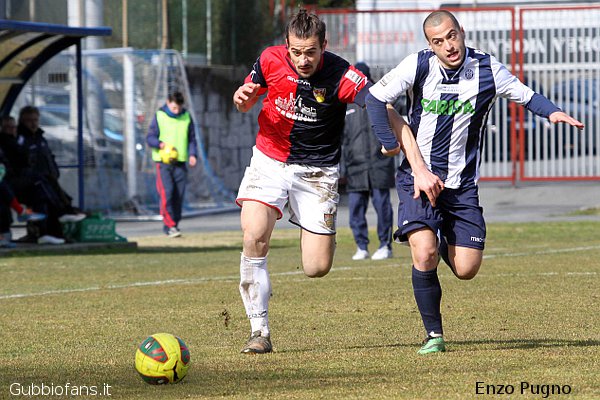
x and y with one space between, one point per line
173 142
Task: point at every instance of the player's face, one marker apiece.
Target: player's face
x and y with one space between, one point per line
174 107
447 42
31 122
305 54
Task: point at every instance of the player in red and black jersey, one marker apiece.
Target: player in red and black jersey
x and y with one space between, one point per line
295 160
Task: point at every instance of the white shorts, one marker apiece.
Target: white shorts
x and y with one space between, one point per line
310 192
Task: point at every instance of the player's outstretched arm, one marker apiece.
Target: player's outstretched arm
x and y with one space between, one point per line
559 116
246 96
425 180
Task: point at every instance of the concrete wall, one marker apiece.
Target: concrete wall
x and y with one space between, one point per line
227 135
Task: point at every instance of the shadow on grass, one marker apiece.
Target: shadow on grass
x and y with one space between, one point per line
511 344
516 344
64 250
195 249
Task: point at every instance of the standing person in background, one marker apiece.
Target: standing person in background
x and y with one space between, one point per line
296 158
368 174
451 89
173 142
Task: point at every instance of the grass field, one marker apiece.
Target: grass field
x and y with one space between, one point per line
531 317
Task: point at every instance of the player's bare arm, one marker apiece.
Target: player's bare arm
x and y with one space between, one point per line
560 116
246 96
424 180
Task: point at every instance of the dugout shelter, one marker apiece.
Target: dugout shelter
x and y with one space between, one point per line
24 48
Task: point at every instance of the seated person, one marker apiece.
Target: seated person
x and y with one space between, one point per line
37 178
9 201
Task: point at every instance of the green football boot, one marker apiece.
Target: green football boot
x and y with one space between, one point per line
433 345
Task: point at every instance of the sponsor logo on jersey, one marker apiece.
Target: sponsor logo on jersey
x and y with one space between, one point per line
443 88
447 107
353 76
319 94
477 239
299 81
294 108
387 78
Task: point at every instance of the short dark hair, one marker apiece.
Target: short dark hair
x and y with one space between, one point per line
176 97
6 118
305 25
27 110
437 17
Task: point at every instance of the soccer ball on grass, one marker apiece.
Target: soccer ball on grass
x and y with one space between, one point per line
162 358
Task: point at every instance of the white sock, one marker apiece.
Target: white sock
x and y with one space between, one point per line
255 288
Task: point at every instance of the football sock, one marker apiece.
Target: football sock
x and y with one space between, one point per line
428 294
255 288
15 205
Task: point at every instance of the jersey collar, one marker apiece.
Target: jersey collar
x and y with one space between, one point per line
450 75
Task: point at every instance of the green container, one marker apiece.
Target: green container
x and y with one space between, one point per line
92 229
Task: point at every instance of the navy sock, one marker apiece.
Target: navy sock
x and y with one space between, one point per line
428 294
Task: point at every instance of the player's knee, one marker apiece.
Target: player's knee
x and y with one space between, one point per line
315 269
466 276
425 259
466 272
255 246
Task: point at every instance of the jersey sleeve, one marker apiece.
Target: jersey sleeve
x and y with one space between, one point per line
509 86
352 83
257 75
397 81
152 138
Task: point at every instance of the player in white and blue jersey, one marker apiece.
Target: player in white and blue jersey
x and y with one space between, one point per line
451 89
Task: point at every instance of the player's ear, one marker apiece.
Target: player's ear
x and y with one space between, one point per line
324 46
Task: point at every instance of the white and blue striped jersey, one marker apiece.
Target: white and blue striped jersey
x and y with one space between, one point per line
447 110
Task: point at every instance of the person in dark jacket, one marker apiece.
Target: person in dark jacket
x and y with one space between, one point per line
173 142
36 181
9 201
369 174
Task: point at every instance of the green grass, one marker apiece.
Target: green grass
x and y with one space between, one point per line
586 211
531 315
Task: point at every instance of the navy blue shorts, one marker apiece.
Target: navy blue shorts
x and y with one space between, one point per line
457 214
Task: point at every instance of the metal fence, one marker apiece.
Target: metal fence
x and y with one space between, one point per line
555 51
123 88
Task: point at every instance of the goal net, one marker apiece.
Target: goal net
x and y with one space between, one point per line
122 90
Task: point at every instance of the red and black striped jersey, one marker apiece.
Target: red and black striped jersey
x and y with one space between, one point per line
302 119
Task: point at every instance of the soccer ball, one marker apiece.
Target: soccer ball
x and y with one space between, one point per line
168 154
162 358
